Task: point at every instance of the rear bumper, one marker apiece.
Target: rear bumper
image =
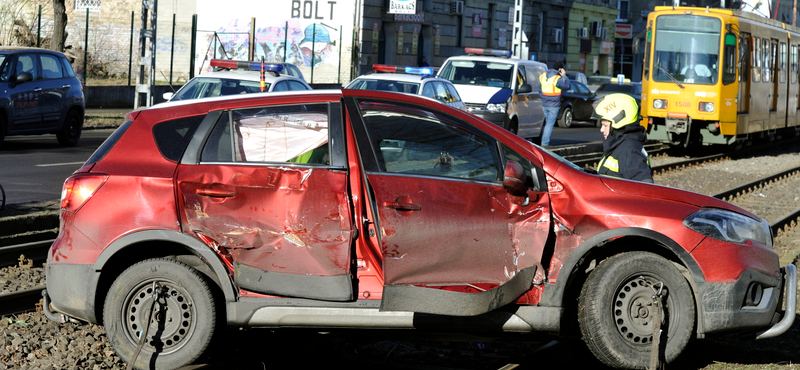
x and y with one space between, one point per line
71 290
726 307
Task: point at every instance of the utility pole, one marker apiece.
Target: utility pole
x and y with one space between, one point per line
147 63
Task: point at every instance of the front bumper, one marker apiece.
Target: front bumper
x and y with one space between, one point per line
724 308
499 119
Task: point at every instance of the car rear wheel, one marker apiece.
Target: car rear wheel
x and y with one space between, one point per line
616 310
183 319
71 131
565 120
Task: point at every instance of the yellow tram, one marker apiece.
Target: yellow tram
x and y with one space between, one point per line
718 76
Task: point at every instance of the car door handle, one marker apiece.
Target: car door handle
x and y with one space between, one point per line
216 193
37 89
67 85
402 206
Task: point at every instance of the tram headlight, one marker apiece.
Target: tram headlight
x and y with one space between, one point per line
707 107
660 104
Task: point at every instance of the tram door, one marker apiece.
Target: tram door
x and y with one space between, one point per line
775 81
794 88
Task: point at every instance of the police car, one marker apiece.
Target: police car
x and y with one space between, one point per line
499 89
410 80
233 77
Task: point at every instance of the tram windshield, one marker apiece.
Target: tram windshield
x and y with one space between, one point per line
687 49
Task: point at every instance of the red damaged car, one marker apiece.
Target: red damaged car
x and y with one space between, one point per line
353 209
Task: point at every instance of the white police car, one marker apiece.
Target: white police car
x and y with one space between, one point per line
499 89
233 77
410 80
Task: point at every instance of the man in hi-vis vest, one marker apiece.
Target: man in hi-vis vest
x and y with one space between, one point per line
550 85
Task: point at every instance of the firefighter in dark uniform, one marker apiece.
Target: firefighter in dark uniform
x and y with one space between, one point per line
624 155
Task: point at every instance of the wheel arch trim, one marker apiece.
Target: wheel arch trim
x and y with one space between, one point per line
191 244
555 296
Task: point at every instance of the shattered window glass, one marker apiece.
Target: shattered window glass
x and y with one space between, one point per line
294 133
411 140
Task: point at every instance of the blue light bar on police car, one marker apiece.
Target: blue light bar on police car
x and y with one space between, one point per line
403 69
241 64
494 52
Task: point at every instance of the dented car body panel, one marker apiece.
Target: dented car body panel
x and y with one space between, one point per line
380 210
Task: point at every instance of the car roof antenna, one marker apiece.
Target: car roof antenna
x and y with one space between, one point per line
174 93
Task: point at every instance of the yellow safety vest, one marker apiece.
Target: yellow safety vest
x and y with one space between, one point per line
549 87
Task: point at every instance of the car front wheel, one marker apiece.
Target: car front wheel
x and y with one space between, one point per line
70 133
617 311
167 302
566 118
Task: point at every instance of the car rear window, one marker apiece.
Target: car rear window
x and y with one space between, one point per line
104 148
172 136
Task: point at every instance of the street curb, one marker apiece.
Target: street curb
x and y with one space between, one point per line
28 228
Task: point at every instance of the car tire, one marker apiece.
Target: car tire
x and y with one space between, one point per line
565 121
70 132
185 317
614 316
3 128
513 126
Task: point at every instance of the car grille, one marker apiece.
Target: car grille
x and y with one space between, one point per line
474 106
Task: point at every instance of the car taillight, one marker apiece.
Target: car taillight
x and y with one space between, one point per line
78 189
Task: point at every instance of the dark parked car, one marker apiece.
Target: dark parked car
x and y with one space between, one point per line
347 209
39 94
576 104
633 89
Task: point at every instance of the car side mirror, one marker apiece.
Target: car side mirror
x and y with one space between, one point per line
525 88
514 178
22 77
167 96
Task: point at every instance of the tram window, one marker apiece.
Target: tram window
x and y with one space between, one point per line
793 65
744 57
774 61
757 59
782 66
687 49
729 60
765 56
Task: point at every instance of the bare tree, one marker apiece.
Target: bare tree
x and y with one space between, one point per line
59 25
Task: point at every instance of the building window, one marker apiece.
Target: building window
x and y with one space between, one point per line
624 10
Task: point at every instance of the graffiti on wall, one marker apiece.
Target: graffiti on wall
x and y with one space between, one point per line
300 43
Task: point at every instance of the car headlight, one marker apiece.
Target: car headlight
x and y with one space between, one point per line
496 108
729 226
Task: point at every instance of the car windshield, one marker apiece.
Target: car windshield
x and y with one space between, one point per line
384 85
5 68
687 49
478 73
204 87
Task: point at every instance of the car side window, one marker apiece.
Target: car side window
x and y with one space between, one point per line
5 69
294 85
294 134
27 63
442 94
533 77
522 78
412 140
51 67
281 86
453 91
68 71
428 90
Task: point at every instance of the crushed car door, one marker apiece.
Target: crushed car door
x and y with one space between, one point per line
268 189
454 240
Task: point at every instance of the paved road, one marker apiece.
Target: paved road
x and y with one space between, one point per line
33 168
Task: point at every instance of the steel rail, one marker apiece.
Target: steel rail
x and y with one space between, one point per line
20 301
36 251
